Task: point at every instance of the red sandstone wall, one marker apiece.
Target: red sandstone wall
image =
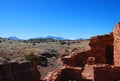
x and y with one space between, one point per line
19 72
106 73
116 34
98 45
76 59
66 73
98 50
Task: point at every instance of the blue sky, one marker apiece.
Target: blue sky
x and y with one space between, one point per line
66 18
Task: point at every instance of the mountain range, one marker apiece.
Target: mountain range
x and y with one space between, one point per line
52 37
47 37
13 38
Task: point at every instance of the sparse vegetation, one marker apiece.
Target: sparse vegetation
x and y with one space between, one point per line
62 42
31 57
20 48
74 49
49 50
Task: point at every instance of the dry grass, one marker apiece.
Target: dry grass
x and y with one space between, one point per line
16 51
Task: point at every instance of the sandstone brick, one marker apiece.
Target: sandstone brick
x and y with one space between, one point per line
106 73
116 34
98 46
19 72
66 73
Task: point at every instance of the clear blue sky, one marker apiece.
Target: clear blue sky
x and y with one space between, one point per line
65 18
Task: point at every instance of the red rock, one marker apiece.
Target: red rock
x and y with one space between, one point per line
106 73
100 46
91 61
25 71
65 73
117 45
75 59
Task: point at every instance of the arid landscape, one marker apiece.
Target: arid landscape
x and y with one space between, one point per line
49 53
59 40
94 59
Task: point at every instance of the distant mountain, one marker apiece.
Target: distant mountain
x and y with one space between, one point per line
13 38
47 37
56 38
51 37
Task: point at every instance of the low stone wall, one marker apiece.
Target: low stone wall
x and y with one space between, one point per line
25 71
106 73
66 73
76 59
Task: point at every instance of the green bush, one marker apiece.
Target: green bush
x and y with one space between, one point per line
74 49
31 57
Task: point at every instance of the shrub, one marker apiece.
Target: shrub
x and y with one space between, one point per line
68 43
62 42
74 49
31 57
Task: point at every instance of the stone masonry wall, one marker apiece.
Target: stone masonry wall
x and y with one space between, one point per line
76 59
66 73
19 72
106 73
116 34
98 45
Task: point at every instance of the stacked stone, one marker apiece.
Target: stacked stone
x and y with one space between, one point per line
117 45
98 45
65 73
25 71
106 73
